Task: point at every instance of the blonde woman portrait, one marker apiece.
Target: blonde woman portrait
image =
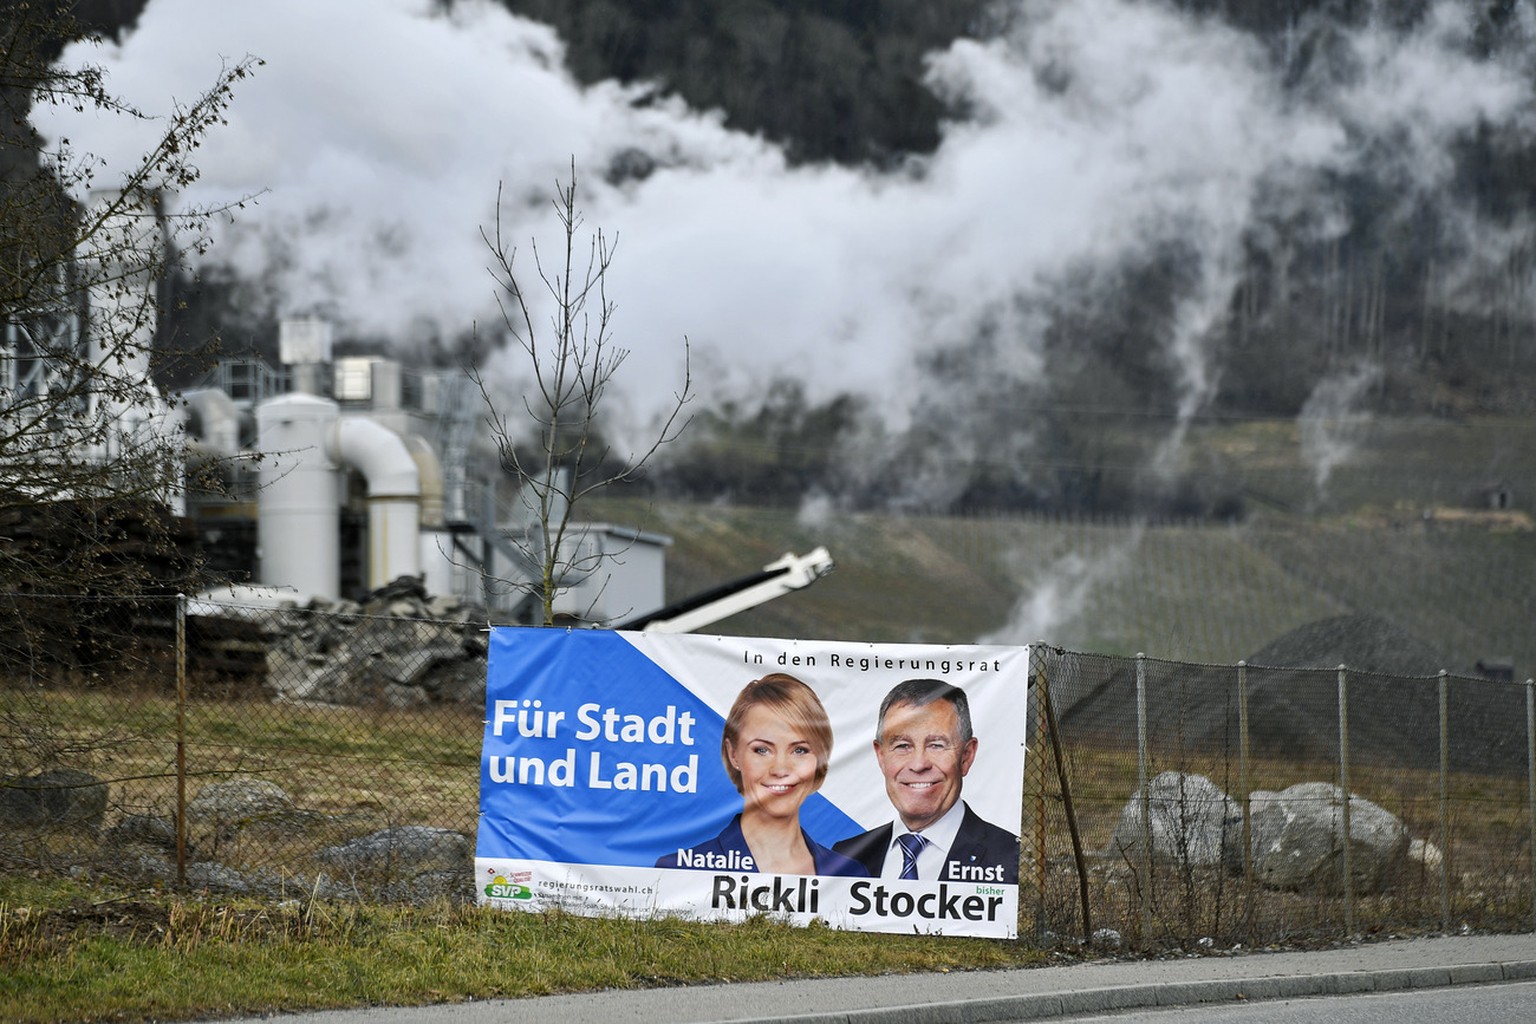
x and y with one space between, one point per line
776 746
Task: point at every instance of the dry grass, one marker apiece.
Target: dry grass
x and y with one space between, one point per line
348 771
99 948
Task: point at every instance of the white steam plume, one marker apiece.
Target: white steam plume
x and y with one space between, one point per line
1057 597
1094 131
1331 422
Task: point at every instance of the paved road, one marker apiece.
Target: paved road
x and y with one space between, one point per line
1040 993
1494 1003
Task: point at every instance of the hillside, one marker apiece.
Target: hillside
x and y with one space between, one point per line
1395 539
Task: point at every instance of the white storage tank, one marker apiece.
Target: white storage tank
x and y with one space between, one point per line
298 515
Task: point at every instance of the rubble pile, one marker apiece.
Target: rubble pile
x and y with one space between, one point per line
398 647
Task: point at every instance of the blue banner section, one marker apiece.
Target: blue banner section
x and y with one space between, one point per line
595 755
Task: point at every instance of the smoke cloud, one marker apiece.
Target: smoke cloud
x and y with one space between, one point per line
379 131
1086 137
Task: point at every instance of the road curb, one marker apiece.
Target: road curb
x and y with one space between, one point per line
1115 998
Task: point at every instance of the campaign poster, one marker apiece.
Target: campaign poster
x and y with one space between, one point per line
720 778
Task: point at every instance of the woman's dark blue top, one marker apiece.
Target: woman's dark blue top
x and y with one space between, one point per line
717 855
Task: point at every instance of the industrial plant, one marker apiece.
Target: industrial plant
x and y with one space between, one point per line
328 478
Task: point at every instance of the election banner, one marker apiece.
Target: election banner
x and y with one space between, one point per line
875 787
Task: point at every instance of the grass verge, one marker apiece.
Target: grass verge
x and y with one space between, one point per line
70 952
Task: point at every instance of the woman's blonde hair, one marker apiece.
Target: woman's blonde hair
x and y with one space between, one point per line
794 702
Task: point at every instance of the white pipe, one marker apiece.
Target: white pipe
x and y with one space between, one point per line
437 554
394 494
792 572
429 469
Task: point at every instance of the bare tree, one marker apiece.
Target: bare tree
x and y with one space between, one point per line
91 451
553 448
88 444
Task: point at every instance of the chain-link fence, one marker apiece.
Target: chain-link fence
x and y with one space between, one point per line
246 748
1177 803
335 751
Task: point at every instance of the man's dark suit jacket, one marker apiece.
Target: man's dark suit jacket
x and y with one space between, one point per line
982 852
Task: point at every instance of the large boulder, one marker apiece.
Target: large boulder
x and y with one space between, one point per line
1192 821
1297 840
143 830
57 796
402 852
237 802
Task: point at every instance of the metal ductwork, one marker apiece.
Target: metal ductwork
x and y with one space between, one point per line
394 494
305 443
440 567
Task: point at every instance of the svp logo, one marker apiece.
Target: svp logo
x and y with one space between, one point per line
500 888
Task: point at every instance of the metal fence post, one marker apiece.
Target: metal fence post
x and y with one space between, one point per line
1078 860
1040 861
1530 761
1445 801
1242 773
1146 798
1346 859
181 739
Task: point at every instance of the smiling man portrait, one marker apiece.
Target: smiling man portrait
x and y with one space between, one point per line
925 746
